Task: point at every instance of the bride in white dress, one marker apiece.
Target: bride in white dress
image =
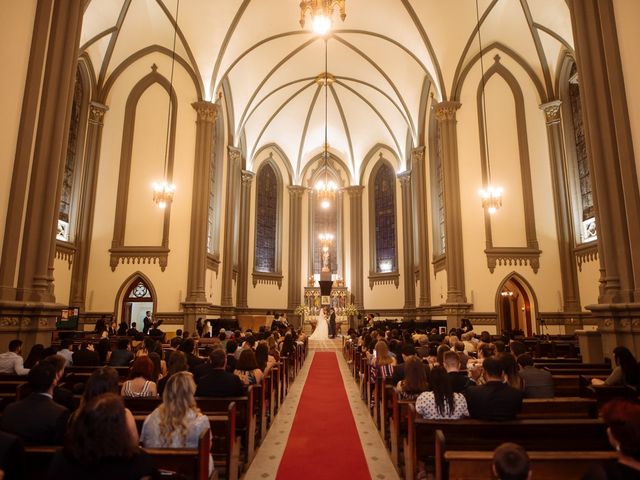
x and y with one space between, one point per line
322 328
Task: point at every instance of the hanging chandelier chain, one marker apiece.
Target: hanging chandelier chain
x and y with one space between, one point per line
483 98
173 62
326 109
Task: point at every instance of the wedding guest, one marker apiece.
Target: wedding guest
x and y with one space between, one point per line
382 363
122 356
35 355
103 349
627 371
415 379
511 462
510 366
100 445
140 382
623 421
177 363
538 383
231 349
460 381
247 368
62 396
177 422
11 362
133 331
122 329
66 352
188 346
216 381
441 402
86 356
265 361
37 419
494 400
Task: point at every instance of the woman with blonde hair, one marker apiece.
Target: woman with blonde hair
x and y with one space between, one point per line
382 363
177 422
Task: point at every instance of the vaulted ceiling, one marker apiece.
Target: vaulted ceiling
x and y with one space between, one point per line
385 57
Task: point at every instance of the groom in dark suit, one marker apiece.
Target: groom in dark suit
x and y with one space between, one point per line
332 324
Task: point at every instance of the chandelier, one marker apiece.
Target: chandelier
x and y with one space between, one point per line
321 13
163 191
491 195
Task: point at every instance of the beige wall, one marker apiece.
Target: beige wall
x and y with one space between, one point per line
588 281
143 217
62 283
16 25
508 222
627 15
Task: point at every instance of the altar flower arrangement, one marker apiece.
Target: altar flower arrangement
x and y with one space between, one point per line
301 310
350 310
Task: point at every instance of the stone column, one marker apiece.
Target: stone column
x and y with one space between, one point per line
419 178
195 304
563 214
407 242
294 283
35 279
456 305
243 241
613 172
233 168
24 146
355 246
205 131
82 255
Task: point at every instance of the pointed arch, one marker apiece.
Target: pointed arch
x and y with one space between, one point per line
268 221
530 302
383 218
125 286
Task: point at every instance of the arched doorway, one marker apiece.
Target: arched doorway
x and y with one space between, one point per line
516 306
135 298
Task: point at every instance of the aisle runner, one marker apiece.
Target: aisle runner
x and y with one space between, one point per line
324 442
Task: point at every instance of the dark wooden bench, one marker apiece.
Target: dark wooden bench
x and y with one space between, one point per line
471 435
190 463
477 465
245 416
532 408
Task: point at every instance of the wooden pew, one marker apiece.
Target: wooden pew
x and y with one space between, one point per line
190 463
532 408
225 444
601 394
477 465
533 435
245 415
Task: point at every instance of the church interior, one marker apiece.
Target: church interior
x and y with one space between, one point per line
224 160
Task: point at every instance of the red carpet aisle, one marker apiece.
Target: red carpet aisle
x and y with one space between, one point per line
324 442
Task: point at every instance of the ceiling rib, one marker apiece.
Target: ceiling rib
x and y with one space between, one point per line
345 125
303 135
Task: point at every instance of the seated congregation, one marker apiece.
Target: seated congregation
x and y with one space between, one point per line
444 403
135 407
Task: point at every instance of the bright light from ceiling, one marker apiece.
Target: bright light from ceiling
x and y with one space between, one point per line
321 24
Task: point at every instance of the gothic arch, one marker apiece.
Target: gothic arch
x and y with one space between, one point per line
124 288
531 314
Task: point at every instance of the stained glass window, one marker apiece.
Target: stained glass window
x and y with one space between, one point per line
325 221
72 161
385 218
266 219
584 176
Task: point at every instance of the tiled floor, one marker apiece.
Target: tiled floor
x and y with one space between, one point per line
265 464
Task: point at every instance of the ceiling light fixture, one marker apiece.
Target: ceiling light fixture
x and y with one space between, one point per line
490 194
163 191
321 13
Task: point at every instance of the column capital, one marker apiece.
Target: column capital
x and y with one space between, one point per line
206 111
296 190
447 110
96 112
404 178
247 176
417 154
355 191
235 155
551 111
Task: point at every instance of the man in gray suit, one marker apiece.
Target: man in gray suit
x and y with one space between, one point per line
538 383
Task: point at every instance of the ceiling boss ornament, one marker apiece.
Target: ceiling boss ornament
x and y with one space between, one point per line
321 12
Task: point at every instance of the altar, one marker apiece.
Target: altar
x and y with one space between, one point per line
340 297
